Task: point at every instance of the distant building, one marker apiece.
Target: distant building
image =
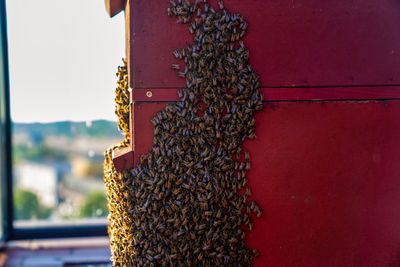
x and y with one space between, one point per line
41 179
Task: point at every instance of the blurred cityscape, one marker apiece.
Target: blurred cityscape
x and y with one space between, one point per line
58 169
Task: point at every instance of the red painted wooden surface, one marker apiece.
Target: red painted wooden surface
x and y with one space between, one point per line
285 94
144 134
123 158
156 95
291 43
325 173
327 176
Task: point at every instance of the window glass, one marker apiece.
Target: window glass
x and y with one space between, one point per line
63 58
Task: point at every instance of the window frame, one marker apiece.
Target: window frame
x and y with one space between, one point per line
5 135
8 231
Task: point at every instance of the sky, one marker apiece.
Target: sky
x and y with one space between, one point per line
63 56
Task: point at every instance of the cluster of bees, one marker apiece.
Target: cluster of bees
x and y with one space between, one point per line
122 100
187 202
119 222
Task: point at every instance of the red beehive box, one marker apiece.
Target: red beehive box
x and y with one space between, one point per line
326 159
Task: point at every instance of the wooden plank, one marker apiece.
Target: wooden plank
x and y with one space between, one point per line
123 158
291 43
331 93
129 58
326 174
129 40
143 138
155 95
113 7
327 177
287 94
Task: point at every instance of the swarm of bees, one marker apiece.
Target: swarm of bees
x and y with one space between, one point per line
187 201
122 100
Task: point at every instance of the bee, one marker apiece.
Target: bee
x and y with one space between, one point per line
176 191
248 166
246 155
169 12
181 74
175 66
176 54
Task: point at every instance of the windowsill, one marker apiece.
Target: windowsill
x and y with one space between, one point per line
48 229
60 223
50 243
57 252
